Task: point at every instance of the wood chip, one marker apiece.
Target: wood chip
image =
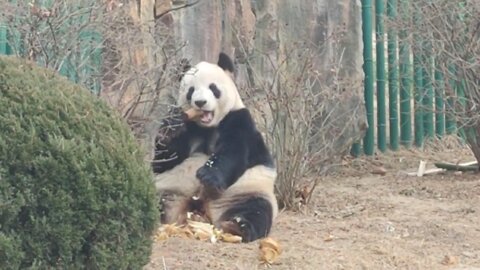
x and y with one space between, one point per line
449 260
421 168
379 170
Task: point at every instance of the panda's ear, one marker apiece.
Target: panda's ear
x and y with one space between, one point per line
225 62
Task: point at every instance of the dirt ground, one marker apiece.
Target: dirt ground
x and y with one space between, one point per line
360 220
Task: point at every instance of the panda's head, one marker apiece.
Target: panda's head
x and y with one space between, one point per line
210 88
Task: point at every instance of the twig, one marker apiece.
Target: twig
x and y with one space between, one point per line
176 8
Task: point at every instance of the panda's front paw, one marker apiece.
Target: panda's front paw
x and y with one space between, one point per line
211 178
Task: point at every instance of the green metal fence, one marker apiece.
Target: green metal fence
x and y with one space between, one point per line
405 72
71 45
413 78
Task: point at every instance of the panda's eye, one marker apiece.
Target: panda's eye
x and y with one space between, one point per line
215 90
190 92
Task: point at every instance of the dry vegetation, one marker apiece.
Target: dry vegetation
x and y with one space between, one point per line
298 110
103 45
446 35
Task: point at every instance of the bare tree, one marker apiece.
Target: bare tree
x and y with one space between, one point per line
449 31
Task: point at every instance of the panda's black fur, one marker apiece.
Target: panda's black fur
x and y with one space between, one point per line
230 162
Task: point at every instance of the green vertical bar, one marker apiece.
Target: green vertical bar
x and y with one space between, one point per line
368 140
418 84
92 51
405 81
450 124
356 148
427 75
3 38
439 106
15 42
463 102
392 76
380 49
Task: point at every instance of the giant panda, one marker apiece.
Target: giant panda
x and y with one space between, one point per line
218 163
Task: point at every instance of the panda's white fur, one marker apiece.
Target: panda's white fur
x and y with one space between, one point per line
253 188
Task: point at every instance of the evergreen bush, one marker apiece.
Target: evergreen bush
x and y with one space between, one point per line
75 192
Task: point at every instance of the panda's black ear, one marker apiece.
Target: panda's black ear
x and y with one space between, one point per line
225 62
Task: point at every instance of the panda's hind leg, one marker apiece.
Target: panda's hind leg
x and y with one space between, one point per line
251 219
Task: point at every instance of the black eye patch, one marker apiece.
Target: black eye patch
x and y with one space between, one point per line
215 90
190 92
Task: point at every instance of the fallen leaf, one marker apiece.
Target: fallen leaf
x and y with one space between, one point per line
379 170
161 236
202 235
269 250
195 230
171 229
328 238
449 260
202 230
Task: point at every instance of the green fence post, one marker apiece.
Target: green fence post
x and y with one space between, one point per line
418 84
14 41
439 104
368 140
405 80
392 76
380 49
84 65
450 124
460 93
3 38
355 150
427 75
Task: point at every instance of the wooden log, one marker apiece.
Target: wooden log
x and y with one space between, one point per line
463 167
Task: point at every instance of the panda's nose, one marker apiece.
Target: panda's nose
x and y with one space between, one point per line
200 103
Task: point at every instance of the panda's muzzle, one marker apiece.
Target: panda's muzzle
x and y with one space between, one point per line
206 117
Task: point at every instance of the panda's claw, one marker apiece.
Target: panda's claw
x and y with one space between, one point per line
211 178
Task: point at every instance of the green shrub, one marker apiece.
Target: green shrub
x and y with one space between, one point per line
75 192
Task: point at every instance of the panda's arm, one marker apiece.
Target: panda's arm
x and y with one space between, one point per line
230 158
171 142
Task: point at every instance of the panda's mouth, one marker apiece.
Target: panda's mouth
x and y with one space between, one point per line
206 117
